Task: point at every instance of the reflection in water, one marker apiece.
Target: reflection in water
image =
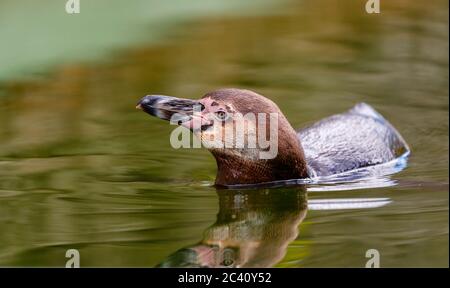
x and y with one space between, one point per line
348 203
253 229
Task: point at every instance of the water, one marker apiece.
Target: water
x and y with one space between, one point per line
81 168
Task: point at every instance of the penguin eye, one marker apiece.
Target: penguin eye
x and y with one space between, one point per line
228 256
227 262
221 115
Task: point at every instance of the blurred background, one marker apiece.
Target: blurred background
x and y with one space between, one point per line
81 168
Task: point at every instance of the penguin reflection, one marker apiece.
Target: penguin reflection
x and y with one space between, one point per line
253 229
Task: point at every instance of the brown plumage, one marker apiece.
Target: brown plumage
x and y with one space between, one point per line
290 161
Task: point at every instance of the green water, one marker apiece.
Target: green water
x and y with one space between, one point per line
80 168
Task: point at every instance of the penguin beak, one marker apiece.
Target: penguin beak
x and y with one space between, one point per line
175 110
179 111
